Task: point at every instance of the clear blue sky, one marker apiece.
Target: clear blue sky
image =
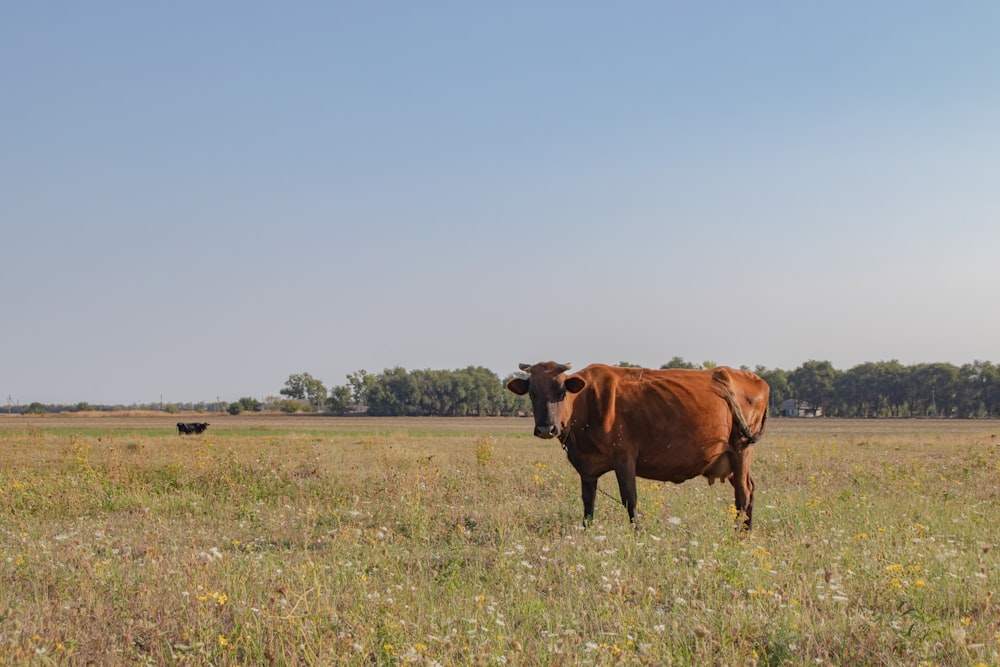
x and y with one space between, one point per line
198 199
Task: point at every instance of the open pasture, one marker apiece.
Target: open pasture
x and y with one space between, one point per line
308 540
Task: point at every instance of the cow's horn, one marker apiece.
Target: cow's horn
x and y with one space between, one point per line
565 367
524 367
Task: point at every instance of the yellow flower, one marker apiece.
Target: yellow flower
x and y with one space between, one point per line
223 642
919 583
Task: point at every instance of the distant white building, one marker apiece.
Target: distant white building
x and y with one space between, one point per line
793 407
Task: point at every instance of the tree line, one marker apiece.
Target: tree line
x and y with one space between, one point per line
890 389
868 390
397 392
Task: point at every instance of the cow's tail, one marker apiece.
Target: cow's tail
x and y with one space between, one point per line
724 386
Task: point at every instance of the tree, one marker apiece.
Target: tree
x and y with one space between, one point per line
858 391
979 387
304 386
35 408
361 383
339 402
777 380
933 389
245 404
396 393
678 362
813 382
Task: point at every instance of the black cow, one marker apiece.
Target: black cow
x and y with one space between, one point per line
191 428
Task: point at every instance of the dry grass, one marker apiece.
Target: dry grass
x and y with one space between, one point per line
309 540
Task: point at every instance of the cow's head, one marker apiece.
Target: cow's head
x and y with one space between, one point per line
547 385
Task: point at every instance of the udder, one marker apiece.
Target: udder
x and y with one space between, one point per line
719 469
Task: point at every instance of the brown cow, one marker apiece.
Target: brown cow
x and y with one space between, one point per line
668 425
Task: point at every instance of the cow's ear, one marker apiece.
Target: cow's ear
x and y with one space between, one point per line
519 386
574 384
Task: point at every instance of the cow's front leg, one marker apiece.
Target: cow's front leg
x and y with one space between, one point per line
588 491
626 487
743 486
588 488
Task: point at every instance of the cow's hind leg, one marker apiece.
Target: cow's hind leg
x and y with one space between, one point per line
588 488
627 489
743 485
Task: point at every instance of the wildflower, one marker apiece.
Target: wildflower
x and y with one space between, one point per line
220 598
223 642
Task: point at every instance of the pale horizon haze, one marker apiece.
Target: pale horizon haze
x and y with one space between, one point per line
200 199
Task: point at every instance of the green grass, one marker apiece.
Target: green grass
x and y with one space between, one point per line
430 542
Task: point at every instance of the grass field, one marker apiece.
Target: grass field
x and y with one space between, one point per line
298 540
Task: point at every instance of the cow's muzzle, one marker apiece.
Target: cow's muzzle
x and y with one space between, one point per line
547 431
